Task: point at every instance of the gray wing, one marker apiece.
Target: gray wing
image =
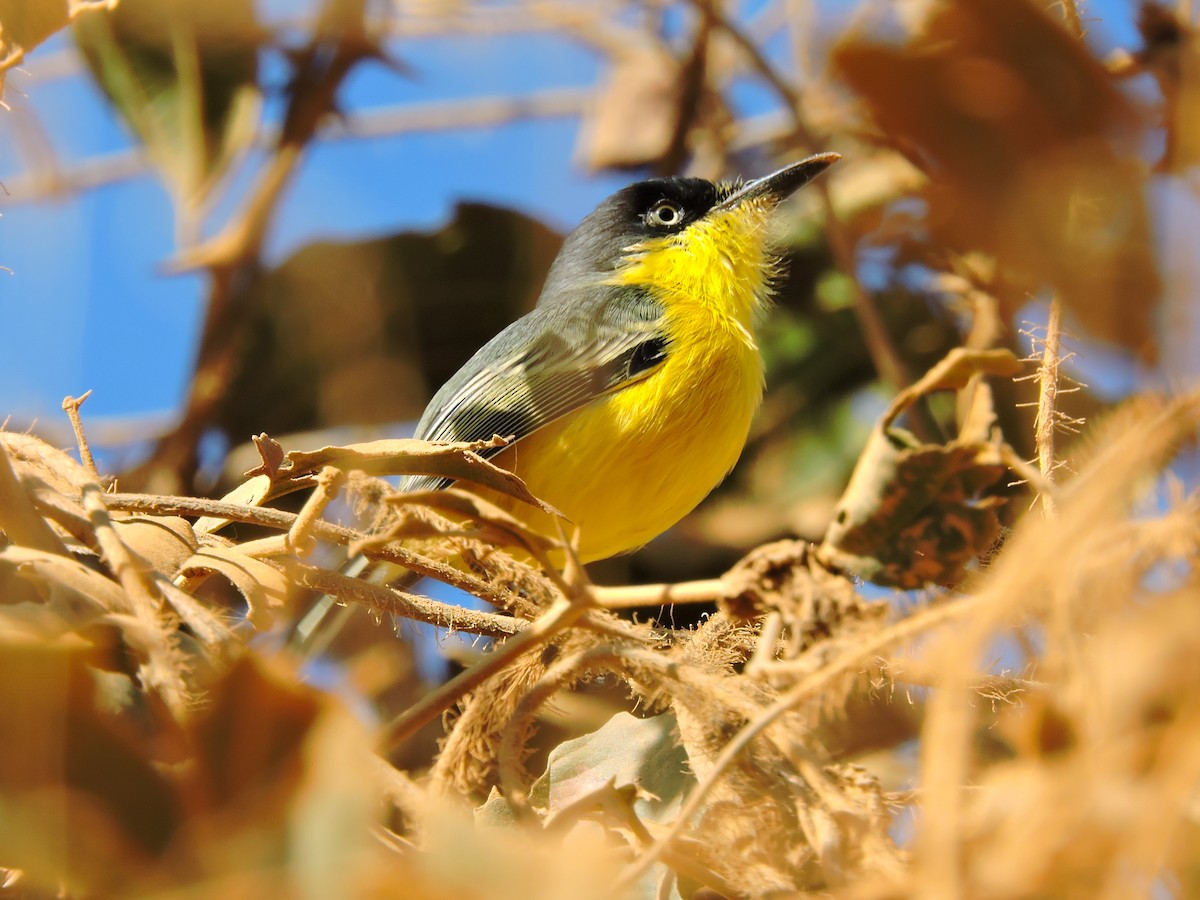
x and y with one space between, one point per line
548 363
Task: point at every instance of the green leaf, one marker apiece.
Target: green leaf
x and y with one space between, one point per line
624 752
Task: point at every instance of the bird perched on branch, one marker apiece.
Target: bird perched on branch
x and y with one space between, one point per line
629 389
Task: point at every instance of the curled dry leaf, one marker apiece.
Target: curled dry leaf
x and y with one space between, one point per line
85 804
41 463
785 577
913 513
265 588
65 585
634 119
20 521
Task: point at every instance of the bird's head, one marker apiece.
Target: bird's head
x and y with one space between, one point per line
684 237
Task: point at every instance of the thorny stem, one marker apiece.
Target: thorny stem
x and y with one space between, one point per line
1046 419
161 669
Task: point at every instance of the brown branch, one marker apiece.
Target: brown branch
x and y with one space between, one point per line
163 667
389 601
338 43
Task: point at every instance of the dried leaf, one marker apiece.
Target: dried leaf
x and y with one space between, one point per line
412 307
161 543
634 119
265 588
26 23
65 584
453 461
1030 150
954 371
498 526
84 804
915 514
20 522
251 492
43 464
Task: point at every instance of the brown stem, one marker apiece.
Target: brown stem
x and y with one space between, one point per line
71 406
1047 409
338 534
401 603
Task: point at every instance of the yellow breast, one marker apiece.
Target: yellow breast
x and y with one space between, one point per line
631 464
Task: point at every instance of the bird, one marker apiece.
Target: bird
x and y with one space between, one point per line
627 392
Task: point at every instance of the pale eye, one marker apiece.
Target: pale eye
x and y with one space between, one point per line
664 214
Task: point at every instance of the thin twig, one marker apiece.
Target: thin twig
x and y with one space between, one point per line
329 484
409 118
338 534
1047 416
389 601
887 359
71 406
634 595
338 43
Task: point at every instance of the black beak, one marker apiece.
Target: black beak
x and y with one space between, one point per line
778 186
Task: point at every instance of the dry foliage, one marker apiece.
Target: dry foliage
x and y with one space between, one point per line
195 699
152 742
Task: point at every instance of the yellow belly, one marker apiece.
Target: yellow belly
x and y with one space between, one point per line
631 464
